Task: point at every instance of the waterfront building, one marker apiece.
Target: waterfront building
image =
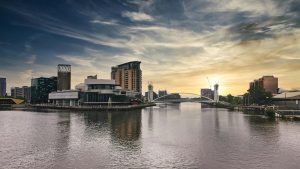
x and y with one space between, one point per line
287 100
93 92
207 93
128 76
155 95
41 87
10 101
22 92
2 86
63 77
269 83
64 98
162 93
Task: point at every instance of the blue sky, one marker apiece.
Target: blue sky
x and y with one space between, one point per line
180 42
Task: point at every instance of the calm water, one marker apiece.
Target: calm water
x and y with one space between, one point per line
167 136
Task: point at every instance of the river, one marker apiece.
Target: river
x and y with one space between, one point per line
182 135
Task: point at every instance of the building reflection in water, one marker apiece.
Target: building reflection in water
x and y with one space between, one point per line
63 136
217 121
124 126
150 117
263 128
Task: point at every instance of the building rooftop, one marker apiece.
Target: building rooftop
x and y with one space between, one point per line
288 95
99 81
129 65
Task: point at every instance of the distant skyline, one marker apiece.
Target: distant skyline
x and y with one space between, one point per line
179 42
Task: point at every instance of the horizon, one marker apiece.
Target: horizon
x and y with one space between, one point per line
180 43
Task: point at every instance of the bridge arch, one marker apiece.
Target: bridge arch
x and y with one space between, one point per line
176 94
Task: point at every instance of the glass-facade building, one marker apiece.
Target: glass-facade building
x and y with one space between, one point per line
2 86
41 87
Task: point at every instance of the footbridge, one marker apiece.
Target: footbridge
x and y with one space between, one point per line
183 97
189 97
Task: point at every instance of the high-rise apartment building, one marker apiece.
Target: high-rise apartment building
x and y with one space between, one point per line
128 76
63 77
2 86
41 87
24 92
269 83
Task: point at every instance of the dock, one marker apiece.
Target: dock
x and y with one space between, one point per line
277 111
93 108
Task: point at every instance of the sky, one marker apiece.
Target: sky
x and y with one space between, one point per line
181 43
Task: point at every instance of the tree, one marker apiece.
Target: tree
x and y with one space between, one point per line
258 95
230 99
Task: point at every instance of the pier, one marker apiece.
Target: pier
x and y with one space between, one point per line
93 108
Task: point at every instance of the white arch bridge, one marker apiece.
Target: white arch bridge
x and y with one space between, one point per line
186 97
183 97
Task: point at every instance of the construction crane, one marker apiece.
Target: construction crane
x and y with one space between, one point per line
208 82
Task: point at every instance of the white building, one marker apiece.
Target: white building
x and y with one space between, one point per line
92 91
65 98
150 93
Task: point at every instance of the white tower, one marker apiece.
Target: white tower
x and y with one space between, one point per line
150 92
216 93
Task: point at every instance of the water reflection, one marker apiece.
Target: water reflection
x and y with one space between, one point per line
124 126
185 135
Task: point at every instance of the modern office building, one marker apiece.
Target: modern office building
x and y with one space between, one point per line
269 83
2 86
92 92
63 77
128 76
41 87
207 93
21 92
162 93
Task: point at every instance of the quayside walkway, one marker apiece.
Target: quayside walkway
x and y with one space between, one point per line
93 108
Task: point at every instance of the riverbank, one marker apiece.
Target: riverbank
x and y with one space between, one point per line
273 111
93 108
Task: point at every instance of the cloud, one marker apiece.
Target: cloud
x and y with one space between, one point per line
31 59
26 75
77 60
137 16
178 42
104 22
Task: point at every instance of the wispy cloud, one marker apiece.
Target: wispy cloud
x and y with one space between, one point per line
104 22
137 16
233 41
31 59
